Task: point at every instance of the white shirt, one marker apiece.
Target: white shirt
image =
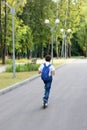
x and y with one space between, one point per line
51 67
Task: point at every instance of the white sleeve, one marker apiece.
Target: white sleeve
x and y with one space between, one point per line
41 67
52 68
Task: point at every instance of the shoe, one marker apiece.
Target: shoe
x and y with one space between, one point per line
45 105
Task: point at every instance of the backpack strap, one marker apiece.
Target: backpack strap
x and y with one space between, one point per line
48 65
44 64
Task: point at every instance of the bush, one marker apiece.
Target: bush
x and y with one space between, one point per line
8 61
18 68
24 68
9 69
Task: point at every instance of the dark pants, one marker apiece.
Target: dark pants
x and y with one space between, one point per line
47 91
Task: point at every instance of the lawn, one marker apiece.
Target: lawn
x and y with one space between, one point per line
6 79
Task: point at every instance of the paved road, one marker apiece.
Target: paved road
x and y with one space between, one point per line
21 109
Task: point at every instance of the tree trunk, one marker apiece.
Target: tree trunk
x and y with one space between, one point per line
69 49
0 29
4 46
57 54
42 51
86 52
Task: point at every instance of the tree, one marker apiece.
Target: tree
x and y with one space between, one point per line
4 18
0 29
79 36
70 17
34 15
31 33
82 38
24 39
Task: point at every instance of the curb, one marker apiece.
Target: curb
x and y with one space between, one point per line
17 85
20 84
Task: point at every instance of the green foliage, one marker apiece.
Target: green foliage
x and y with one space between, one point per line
24 38
34 15
9 69
24 68
31 33
82 37
8 61
76 49
23 33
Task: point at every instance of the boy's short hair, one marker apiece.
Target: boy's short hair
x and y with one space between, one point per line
48 58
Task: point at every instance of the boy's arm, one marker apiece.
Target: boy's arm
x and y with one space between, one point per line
53 72
40 69
39 72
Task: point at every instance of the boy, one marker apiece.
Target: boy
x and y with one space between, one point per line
47 83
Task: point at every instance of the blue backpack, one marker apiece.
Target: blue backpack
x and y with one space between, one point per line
45 73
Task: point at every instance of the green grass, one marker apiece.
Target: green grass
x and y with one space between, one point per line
23 67
6 79
78 57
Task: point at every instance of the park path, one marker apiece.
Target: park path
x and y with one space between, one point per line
21 109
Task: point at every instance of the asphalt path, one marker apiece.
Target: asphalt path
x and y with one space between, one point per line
21 109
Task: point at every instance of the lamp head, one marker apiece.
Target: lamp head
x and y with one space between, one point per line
62 30
47 21
57 21
69 30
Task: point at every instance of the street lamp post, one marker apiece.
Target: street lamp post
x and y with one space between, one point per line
12 9
52 29
13 44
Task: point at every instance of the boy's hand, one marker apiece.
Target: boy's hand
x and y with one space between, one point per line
53 72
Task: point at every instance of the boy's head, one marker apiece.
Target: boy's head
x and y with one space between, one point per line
48 58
